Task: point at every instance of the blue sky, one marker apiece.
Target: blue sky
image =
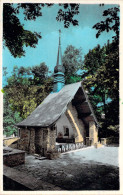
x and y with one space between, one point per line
46 51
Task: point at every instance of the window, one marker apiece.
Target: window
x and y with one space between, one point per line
66 131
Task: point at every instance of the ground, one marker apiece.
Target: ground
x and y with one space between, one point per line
85 169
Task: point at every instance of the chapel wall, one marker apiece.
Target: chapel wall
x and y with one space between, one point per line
23 143
61 123
76 123
93 132
27 139
51 139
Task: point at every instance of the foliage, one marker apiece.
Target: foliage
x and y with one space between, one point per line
17 37
27 87
72 61
10 118
67 14
102 82
111 22
31 10
102 76
24 91
74 79
40 73
94 59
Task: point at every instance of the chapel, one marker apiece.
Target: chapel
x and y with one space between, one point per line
65 116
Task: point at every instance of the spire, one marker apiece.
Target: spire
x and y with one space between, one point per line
59 56
59 70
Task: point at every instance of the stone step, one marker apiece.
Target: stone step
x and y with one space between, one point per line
20 180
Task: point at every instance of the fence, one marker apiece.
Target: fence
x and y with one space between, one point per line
68 146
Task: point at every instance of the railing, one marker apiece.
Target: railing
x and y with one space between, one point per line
64 147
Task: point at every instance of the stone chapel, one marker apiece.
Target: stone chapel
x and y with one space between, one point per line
65 116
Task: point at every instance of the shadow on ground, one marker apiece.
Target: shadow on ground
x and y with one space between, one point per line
89 177
80 170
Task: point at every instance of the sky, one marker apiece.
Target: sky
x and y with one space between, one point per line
83 36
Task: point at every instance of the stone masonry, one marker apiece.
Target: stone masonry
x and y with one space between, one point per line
51 139
27 140
13 157
93 132
23 143
32 141
37 140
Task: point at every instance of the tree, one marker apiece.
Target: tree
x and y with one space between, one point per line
109 71
10 118
111 22
102 81
20 75
103 74
17 37
72 61
40 74
67 14
94 59
14 35
24 93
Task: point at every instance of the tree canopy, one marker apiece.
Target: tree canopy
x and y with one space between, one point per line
17 37
102 74
112 22
10 118
72 61
27 87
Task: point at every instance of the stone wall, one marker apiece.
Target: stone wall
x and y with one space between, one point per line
13 157
51 139
93 132
14 145
23 143
37 140
77 124
32 141
27 140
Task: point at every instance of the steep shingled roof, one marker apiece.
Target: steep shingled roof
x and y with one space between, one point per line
53 106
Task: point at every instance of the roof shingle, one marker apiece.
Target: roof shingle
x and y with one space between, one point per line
53 106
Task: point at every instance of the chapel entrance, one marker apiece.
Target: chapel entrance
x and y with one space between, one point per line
41 141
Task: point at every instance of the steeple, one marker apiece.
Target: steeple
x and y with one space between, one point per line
59 57
59 70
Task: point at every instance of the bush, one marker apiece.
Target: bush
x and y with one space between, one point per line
112 140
